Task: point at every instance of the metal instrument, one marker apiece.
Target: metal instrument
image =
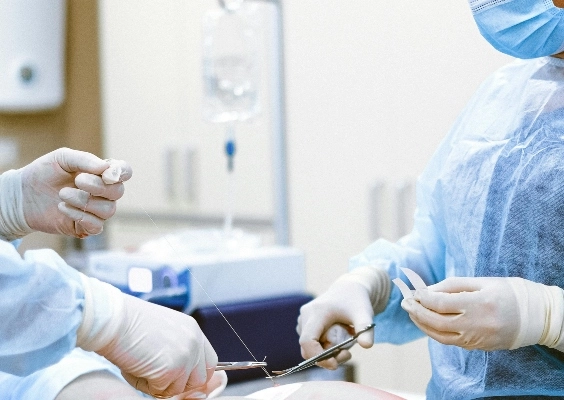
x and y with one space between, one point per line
330 352
227 366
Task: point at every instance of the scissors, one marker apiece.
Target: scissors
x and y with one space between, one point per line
230 366
227 366
330 352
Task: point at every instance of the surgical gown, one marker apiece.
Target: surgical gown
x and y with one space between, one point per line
41 300
489 203
47 383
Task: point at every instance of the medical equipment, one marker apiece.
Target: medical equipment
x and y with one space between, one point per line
256 321
230 366
230 201
330 352
32 54
227 366
174 280
521 28
355 296
231 63
231 70
239 50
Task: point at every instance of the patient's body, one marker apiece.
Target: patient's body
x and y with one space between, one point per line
103 386
314 390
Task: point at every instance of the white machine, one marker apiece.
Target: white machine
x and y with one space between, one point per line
32 44
188 282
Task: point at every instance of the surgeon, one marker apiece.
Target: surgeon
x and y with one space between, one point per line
48 308
488 233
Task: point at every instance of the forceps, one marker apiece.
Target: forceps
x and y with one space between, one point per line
330 352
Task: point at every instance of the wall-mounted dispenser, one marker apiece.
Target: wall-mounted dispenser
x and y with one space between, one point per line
32 54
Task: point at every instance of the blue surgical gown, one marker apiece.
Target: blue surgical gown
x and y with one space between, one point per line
489 203
41 300
47 383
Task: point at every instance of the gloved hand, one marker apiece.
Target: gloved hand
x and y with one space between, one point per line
212 389
489 313
66 191
352 300
159 351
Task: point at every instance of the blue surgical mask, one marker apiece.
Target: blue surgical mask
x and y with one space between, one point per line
521 28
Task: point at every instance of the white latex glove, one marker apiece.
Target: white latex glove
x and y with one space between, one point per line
212 389
489 313
351 301
66 191
159 351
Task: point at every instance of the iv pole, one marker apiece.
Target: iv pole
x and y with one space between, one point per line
281 217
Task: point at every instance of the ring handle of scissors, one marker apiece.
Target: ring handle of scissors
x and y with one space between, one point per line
330 352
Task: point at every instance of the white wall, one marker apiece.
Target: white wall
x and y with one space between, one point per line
371 89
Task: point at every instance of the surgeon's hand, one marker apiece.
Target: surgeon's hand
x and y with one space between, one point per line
159 351
489 313
212 389
351 301
71 192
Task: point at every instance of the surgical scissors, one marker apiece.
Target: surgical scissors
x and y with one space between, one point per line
330 352
229 366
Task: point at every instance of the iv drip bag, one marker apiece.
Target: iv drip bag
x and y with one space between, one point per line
231 64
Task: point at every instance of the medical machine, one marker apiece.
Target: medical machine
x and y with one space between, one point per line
187 282
32 44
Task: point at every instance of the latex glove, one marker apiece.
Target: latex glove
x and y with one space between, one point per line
71 192
489 313
352 301
159 351
212 389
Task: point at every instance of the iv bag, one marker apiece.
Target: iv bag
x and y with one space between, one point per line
231 68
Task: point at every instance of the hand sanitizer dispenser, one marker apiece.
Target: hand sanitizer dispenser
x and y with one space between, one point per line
32 51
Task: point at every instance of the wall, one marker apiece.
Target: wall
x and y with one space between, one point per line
372 89
76 123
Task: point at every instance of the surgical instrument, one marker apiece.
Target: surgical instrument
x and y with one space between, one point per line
330 352
227 366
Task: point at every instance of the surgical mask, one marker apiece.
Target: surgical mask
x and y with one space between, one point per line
521 28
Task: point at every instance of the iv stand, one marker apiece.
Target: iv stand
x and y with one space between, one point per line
280 218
